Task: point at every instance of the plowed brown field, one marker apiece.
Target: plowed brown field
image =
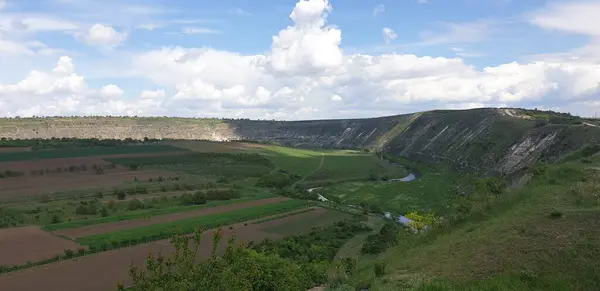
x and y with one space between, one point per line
22 244
103 271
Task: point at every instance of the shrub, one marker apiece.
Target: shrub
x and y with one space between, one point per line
379 269
555 214
135 204
55 219
68 253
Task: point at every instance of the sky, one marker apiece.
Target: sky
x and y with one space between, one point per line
291 60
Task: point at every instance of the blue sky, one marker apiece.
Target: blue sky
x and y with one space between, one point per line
334 59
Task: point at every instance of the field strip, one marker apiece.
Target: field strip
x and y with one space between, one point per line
102 271
162 229
139 221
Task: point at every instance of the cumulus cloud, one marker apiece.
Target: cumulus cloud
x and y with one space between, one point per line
104 36
306 74
111 91
388 34
63 92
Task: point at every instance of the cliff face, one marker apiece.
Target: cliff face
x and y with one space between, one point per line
482 140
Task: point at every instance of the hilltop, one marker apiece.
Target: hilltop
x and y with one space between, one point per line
488 140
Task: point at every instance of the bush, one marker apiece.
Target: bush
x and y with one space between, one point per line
197 198
55 219
135 204
555 214
275 180
379 269
69 253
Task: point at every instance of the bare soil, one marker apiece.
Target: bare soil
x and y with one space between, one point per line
14 149
30 243
28 186
128 224
103 271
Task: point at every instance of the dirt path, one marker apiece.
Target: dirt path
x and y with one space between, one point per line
128 224
102 271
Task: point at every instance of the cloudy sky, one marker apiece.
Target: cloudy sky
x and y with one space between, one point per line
282 59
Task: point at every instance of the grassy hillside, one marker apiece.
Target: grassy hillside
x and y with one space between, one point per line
544 236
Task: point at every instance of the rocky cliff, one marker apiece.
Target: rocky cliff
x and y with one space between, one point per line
484 140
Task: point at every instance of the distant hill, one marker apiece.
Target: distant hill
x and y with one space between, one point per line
487 140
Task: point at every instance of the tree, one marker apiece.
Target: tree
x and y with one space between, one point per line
252 271
104 212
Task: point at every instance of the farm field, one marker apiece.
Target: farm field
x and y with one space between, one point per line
111 267
29 243
176 217
89 208
86 152
211 219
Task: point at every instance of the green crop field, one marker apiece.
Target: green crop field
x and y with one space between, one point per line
146 213
164 230
86 152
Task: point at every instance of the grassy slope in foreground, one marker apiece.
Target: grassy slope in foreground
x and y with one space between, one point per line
145 213
86 152
545 236
164 230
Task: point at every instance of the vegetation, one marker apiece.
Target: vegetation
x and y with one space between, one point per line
85 152
165 230
295 263
10 218
145 213
58 143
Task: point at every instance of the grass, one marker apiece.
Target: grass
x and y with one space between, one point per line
291 227
297 161
355 165
432 191
510 244
164 230
145 213
85 152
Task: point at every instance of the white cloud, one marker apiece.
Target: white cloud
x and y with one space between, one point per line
388 34
579 17
104 36
19 24
158 94
111 91
463 53
1 4
379 9
63 92
307 75
198 30
148 26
